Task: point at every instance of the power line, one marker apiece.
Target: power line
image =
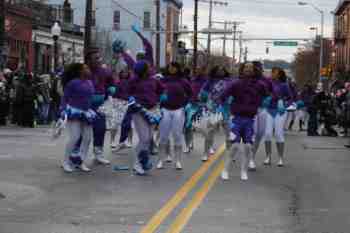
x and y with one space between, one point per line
273 2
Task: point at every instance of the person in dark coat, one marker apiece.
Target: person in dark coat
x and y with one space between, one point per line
26 96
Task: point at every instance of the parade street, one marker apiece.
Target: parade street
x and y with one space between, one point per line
309 195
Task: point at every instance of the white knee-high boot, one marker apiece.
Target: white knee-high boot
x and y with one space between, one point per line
244 161
280 151
178 157
230 153
268 148
161 154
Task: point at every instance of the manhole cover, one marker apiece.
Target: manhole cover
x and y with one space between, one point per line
2 196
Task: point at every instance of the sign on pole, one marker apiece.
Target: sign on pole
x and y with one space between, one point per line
285 43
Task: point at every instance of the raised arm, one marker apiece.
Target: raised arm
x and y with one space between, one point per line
129 60
146 45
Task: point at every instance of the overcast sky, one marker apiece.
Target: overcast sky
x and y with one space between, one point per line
265 18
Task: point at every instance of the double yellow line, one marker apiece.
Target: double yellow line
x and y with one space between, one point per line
185 215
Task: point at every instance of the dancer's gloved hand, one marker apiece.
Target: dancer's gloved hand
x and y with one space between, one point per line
63 115
281 109
267 102
203 96
90 115
131 100
112 91
163 98
300 104
188 107
97 100
230 100
135 28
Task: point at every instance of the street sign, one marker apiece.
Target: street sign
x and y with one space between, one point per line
285 43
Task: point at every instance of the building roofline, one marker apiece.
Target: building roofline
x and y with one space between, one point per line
341 5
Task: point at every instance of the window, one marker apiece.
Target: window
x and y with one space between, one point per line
147 20
116 20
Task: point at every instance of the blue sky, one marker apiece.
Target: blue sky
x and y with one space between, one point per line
266 18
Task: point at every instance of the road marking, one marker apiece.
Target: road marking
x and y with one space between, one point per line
182 219
164 212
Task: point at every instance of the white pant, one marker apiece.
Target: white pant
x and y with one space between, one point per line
302 115
277 124
290 117
260 125
172 122
75 130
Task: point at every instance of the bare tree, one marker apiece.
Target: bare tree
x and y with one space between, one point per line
305 67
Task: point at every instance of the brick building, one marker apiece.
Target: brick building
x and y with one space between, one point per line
342 35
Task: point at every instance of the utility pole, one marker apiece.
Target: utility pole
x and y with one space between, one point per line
240 47
195 36
224 41
210 26
2 34
158 34
246 54
235 27
88 25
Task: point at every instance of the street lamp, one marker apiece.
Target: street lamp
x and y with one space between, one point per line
322 30
56 33
315 29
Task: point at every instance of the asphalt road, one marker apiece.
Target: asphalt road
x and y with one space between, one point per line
309 195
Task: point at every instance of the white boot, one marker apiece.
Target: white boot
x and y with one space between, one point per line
178 157
244 161
268 148
280 151
84 168
160 164
138 169
280 163
230 153
161 154
99 156
252 165
67 167
205 158
225 175
169 159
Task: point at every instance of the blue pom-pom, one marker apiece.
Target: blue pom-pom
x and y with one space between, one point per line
119 46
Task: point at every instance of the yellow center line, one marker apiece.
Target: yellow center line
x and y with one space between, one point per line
164 212
182 219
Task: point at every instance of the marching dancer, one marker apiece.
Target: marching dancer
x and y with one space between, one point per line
261 117
197 82
247 93
148 92
209 95
179 92
121 98
77 107
277 114
104 84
